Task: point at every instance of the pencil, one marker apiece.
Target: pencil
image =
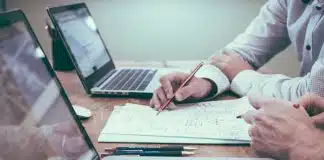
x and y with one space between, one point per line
161 148
182 85
154 153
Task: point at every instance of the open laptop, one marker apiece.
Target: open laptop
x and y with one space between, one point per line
37 119
92 60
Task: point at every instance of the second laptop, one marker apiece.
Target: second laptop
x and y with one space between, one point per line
92 60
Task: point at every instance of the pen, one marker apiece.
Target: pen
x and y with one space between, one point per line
182 85
162 148
154 153
294 105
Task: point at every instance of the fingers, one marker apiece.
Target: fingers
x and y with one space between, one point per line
173 78
185 92
259 118
309 99
171 106
252 131
318 120
155 101
258 101
312 102
161 96
249 116
159 99
166 85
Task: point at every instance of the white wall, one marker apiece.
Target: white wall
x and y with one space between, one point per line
161 29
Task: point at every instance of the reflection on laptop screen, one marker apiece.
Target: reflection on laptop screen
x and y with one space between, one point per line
35 120
80 32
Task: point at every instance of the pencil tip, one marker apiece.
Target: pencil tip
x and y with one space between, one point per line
239 117
158 113
102 155
190 148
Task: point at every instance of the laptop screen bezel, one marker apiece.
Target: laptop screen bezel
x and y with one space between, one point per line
10 17
91 80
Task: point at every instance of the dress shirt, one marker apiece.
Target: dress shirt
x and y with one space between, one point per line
279 24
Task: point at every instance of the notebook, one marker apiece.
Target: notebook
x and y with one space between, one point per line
208 121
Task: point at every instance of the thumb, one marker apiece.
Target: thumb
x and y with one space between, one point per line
184 93
258 101
249 116
318 120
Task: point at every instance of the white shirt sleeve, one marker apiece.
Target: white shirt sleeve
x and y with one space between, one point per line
266 36
280 86
216 75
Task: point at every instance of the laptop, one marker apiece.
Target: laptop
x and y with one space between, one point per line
93 63
37 119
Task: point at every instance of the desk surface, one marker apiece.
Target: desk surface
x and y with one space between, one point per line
102 107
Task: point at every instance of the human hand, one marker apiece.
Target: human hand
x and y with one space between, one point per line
279 130
230 63
64 140
196 89
314 105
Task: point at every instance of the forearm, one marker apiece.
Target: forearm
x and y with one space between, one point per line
309 146
272 85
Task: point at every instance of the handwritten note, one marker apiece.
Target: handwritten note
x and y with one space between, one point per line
215 120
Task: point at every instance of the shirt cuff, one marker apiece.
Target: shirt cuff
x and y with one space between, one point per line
215 75
244 81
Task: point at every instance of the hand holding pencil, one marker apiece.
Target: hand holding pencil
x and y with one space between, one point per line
194 89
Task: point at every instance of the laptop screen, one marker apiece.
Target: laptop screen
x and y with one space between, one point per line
36 121
80 33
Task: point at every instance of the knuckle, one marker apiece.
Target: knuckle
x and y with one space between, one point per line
163 79
259 117
155 92
158 90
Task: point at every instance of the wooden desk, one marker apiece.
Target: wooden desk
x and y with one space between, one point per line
102 107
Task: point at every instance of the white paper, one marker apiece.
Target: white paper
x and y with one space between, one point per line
214 119
117 138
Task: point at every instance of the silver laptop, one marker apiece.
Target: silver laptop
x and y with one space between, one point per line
92 60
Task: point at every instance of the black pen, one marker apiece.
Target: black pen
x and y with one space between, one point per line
162 148
154 153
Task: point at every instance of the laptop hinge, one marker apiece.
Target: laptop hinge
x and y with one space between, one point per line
104 78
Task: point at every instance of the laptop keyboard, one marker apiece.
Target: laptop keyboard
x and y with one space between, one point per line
131 79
